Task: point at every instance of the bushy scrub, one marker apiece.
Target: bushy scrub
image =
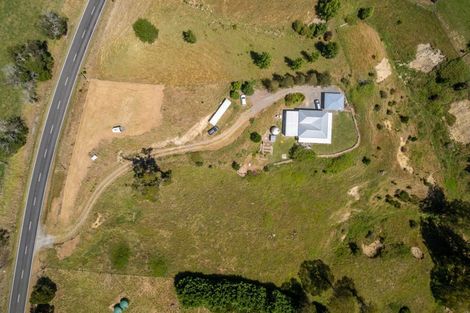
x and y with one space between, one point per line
292 99
145 31
189 36
53 25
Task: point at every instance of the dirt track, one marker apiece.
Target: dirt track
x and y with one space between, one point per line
261 100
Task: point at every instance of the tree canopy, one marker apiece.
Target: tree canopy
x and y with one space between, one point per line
219 293
145 31
442 234
326 9
53 25
189 36
44 291
262 60
147 174
328 50
315 276
13 133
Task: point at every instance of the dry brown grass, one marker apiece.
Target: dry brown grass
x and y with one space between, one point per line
363 48
134 106
221 53
145 294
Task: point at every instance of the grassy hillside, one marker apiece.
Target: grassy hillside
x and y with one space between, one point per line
264 226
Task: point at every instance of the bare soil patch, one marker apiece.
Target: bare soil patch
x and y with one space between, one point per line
402 158
426 58
373 249
460 131
136 107
383 69
354 192
66 249
97 223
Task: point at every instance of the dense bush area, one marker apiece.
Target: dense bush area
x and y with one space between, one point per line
300 153
32 62
145 31
53 25
442 233
231 294
13 133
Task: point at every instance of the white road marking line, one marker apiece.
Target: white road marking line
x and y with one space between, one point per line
18 299
22 274
66 81
45 153
26 250
34 201
84 32
74 57
58 104
52 128
39 178
93 11
30 224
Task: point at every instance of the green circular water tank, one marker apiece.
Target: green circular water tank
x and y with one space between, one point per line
124 304
117 309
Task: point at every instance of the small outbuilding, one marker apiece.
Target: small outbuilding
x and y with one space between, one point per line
332 101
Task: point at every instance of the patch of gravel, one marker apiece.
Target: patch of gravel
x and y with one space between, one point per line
426 58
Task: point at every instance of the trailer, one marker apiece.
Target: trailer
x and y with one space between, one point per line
220 111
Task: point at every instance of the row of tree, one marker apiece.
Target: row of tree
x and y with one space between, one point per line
220 293
288 80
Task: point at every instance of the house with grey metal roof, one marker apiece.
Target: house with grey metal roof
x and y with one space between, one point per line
332 101
308 126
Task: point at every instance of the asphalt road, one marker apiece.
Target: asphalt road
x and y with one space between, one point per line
43 160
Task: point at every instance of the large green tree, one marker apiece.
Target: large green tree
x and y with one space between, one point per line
326 9
44 291
262 60
316 277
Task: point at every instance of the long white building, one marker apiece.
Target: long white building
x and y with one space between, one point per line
220 111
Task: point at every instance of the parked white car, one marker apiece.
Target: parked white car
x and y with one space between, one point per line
243 100
117 129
